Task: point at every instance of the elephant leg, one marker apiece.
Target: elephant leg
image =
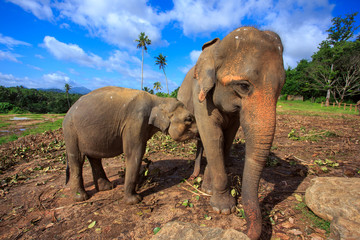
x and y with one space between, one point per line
76 181
101 182
212 138
206 185
134 151
199 153
229 135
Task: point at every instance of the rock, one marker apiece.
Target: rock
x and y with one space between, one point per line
344 229
190 231
337 200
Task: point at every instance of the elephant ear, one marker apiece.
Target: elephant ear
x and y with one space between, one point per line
160 119
205 68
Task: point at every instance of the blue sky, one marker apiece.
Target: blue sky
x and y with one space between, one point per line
46 43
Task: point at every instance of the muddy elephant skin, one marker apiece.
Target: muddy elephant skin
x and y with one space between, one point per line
236 82
113 120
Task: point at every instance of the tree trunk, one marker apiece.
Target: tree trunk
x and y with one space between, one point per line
142 69
327 103
167 88
67 97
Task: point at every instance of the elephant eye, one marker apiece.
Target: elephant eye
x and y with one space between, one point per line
243 87
188 119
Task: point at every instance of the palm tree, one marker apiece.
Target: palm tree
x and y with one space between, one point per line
143 41
161 61
67 89
146 89
157 86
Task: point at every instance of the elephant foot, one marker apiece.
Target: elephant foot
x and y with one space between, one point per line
207 188
223 203
132 199
104 184
80 195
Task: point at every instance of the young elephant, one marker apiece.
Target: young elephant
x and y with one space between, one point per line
113 120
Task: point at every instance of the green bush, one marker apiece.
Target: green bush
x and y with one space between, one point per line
5 107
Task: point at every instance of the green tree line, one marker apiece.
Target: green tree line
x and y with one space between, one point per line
333 73
22 100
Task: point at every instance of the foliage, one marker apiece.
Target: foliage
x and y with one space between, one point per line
342 29
143 42
309 135
67 89
157 86
146 89
161 62
22 100
314 220
334 70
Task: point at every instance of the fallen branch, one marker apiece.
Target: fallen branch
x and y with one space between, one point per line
202 193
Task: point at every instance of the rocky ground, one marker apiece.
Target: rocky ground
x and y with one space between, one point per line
35 203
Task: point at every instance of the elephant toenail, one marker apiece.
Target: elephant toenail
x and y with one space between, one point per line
216 209
226 211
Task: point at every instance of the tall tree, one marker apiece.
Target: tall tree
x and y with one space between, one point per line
143 42
161 61
326 65
342 29
157 86
67 89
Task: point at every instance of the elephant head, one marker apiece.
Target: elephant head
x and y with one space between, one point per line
244 74
172 118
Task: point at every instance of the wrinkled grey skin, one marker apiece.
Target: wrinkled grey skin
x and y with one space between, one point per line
236 81
112 120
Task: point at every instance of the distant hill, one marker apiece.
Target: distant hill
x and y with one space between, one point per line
80 90
74 90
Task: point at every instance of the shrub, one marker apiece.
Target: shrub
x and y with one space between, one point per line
5 107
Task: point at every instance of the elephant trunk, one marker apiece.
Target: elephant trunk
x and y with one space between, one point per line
259 133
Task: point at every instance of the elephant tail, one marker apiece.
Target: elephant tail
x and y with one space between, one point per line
67 170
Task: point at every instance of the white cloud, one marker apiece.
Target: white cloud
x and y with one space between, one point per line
8 80
119 61
117 22
34 67
207 16
10 42
50 80
40 8
55 79
13 57
39 56
194 55
71 52
301 25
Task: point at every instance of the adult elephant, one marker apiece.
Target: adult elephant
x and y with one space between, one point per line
236 81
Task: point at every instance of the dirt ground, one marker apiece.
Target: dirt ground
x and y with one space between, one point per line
35 203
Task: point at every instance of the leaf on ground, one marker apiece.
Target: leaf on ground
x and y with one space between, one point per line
82 230
282 236
91 225
156 230
298 197
287 225
295 232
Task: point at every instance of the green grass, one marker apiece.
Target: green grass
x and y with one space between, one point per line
4 124
312 218
34 129
312 109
